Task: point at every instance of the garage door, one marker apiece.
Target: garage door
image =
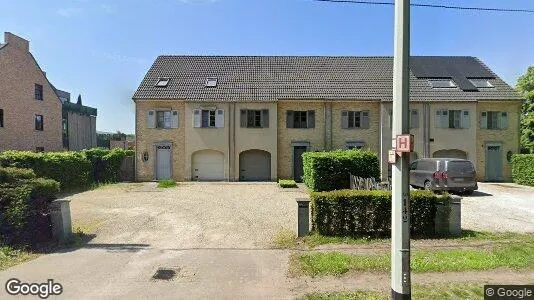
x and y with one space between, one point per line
450 153
255 165
208 165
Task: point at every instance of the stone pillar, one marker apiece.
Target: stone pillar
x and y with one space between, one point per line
303 217
61 221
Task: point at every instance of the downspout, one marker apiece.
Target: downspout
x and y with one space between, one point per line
233 145
230 158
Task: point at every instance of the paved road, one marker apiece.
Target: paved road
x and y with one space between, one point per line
499 207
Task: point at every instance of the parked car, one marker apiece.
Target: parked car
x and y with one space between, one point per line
443 174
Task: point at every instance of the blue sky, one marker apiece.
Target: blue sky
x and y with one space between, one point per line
102 48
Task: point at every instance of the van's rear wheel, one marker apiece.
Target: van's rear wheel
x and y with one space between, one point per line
428 185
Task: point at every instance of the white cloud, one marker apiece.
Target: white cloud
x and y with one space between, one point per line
68 12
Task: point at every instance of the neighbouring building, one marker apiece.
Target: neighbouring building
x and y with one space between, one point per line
34 115
78 123
30 110
241 118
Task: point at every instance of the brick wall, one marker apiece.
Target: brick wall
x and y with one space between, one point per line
20 73
370 136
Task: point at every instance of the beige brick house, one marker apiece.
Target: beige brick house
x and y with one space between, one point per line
249 118
30 110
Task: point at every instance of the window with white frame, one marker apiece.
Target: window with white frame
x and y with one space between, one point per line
354 119
456 119
163 119
208 118
497 120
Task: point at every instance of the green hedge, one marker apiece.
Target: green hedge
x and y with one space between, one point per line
523 169
368 213
24 206
71 169
327 171
107 163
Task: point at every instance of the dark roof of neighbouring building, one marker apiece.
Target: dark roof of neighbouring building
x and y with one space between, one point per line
272 78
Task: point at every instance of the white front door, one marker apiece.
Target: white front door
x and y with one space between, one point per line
163 162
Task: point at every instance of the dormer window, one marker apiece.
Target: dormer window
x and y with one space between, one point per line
481 82
211 82
163 82
442 83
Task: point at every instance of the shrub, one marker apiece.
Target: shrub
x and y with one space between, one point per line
287 183
24 207
523 169
15 174
368 213
107 163
167 183
327 171
71 169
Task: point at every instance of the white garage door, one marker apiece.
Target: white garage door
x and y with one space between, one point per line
208 165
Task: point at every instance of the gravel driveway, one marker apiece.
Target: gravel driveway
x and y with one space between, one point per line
192 215
499 207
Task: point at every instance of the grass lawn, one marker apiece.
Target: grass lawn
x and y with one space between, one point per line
10 257
515 256
168 183
431 292
287 183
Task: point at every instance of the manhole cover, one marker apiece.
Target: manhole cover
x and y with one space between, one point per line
165 273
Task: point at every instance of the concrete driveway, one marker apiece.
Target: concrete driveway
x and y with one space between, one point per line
499 207
215 236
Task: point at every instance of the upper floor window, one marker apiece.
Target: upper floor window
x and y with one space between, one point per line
300 119
442 83
38 92
1 117
414 118
255 118
39 122
163 119
208 118
452 118
494 120
354 119
481 83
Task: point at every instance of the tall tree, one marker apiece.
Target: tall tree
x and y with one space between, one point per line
525 86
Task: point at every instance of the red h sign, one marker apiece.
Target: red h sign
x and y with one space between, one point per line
404 143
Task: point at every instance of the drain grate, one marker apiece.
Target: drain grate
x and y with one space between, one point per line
165 273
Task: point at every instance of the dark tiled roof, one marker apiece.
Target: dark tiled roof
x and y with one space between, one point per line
272 78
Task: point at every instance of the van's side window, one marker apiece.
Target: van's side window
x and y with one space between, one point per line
413 166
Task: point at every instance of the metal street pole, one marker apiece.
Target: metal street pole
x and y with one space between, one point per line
400 210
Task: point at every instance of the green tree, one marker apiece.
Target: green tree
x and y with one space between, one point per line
525 86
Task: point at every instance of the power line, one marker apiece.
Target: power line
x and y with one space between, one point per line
433 6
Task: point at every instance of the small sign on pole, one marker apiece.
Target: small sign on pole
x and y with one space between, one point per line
392 157
404 143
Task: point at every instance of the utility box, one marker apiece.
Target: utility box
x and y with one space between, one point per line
448 221
61 220
303 217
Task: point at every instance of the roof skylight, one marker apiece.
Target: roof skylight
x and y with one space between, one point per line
442 83
211 82
481 82
163 82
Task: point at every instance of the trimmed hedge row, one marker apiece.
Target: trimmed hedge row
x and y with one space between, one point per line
107 163
71 169
327 171
368 213
24 206
523 169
